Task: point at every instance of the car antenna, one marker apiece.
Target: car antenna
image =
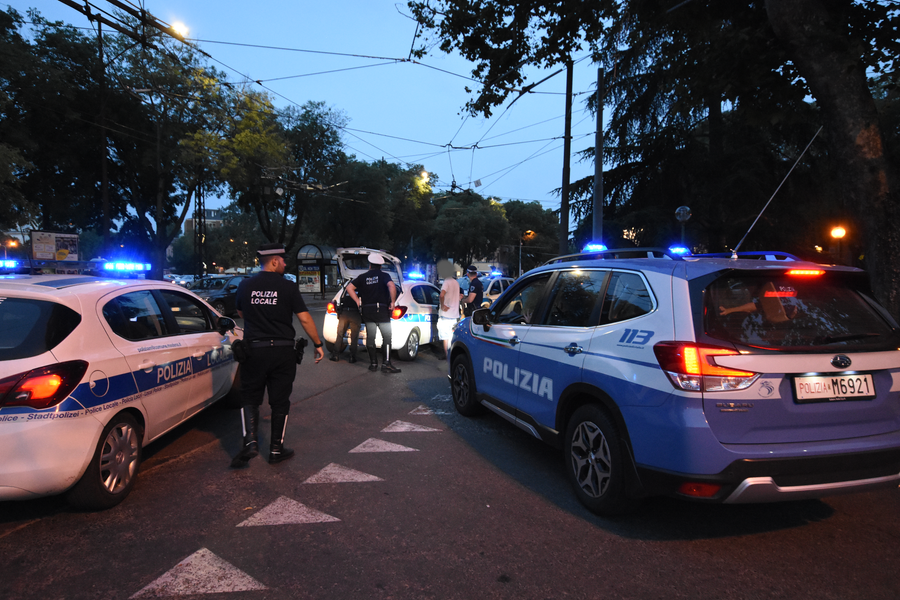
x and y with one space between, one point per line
734 253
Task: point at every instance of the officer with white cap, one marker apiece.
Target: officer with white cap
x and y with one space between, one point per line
375 294
268 302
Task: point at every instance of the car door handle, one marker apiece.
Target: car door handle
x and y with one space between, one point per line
514 340
146 367
573 349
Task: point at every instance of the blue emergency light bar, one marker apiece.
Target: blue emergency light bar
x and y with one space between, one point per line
9 264
496 273
592 247
679 250
126 266
416 275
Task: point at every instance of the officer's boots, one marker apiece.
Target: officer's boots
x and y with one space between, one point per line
386 366
250 448
373 359
277 451
352 358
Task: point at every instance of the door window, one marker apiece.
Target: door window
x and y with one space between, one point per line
188 313
135 316
523 305
627 297
574 298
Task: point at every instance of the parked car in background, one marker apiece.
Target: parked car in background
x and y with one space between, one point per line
493 287
414 319
220 292
92 370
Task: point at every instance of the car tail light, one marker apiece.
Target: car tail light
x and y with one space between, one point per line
398 312
693 367
805 272
330 309
44 387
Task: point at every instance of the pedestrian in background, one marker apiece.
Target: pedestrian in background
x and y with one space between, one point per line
378 295
476 291
268 302
448 314
348 317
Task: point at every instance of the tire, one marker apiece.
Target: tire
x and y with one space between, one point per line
593 462
410 349
113 468
220 308
462 386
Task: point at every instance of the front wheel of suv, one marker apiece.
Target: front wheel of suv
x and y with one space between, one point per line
462 386
593 462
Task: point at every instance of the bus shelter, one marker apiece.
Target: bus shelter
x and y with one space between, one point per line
317 271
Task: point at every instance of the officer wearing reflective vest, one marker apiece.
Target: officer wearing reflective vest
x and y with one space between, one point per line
268 302
375 294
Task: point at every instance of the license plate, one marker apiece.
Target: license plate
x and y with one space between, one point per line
830 388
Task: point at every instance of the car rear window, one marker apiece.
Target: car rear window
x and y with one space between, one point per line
784 312
31 327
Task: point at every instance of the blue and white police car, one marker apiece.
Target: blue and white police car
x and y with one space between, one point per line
414 319
734 380
93 369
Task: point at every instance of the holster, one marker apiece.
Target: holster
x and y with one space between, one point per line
299 346
241 350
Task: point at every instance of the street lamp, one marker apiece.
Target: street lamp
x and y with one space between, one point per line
838 233
527 234
10 244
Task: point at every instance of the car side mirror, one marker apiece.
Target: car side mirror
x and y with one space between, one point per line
481 317
231 288
225 324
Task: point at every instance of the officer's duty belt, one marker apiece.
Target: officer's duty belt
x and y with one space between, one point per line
270 343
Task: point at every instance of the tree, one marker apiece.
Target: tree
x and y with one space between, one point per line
711 100
469 227
533 234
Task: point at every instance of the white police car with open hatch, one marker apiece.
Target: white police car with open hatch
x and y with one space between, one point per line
737 380
414 319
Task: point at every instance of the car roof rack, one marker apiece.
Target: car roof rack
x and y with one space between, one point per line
617 253
756 255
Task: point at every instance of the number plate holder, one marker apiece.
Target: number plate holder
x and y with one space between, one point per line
833 388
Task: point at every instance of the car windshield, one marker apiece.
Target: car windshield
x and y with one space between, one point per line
808 313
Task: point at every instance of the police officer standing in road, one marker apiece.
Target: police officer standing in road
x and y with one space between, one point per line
268 302
348 317
378 293
476 291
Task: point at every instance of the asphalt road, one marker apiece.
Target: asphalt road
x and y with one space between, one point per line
394 495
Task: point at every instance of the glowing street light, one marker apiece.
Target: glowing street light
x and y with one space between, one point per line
838 233
180 29
526 235
9 244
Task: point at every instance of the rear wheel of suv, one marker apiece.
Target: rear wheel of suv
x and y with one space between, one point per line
462 386
220 307
593 461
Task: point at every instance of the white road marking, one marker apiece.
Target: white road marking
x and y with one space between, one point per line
403 427
335 473
421 410
200 573
285 511
375 445
443 397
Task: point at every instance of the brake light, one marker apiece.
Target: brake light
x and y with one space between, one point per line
398 312
805 272
330 309
44 387
693 367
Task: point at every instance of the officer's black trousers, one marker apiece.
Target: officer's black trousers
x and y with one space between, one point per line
384 327
272 370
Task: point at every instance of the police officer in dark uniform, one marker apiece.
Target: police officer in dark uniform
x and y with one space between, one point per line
268 302
476 291
348 317
378 295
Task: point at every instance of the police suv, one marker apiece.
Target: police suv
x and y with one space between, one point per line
750 379
93 369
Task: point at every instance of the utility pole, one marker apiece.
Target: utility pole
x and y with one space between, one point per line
567 151
104 149
597 234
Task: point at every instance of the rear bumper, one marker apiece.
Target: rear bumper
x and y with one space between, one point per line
778 479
